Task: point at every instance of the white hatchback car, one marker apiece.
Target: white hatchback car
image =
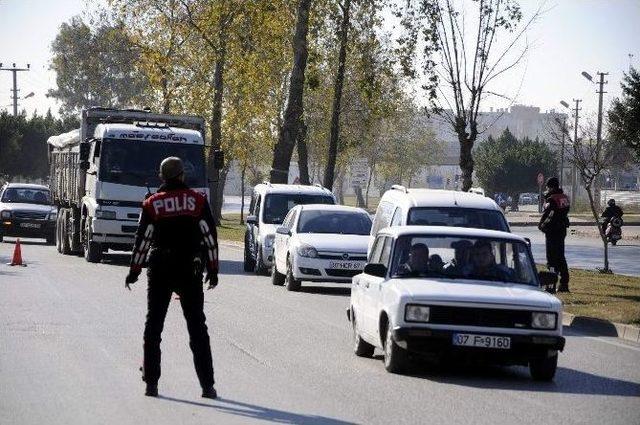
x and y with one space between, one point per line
320 243
448 292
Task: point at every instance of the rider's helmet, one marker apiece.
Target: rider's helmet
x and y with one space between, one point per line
611 202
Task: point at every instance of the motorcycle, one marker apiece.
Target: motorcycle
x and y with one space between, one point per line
614 230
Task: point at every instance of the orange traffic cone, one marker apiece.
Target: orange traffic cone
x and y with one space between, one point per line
17 256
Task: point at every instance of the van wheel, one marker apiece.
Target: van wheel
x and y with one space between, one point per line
360 347
395 357
249 262
291 283
260 268
277 279
544 369
92 250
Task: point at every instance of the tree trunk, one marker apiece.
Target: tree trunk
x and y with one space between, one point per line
334 134
359 198
242 179
303 156
596 217
366 197
466 163
220 195
295 107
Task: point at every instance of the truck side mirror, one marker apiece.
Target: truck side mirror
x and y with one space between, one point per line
84 165
85 150
218 159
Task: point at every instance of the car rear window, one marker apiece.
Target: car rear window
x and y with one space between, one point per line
277 205
458 217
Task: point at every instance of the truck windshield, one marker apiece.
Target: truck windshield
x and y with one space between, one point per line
137 163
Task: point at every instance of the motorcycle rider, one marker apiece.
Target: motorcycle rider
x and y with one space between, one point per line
554 223
178 227
612 211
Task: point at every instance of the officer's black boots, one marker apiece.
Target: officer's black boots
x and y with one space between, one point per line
152 390
209 393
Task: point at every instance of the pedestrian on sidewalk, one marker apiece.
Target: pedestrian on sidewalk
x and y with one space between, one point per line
554 223
177 228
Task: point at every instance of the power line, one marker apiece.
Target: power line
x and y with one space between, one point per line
14 70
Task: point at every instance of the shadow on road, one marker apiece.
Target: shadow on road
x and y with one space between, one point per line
27 242
231 267
327 290
567 381
259 412
119 259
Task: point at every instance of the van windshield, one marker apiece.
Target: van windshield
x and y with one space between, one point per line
277 205
458 217
136 163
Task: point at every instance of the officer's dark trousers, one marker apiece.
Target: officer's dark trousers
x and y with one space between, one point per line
556 258
164 279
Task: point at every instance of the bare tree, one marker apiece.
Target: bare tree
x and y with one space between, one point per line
463 57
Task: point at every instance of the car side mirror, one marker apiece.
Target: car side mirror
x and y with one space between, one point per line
548 281
375 269
252 219
283 231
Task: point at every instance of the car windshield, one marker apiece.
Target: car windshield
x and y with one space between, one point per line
277 205
453 257
26 195
136 163
458 217
339 222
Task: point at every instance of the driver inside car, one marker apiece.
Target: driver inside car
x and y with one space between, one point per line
418 262
483 263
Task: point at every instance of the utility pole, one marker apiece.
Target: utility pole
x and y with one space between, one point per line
15 71
600 92
574 177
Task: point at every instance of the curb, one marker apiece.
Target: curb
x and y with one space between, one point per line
573 224
599 327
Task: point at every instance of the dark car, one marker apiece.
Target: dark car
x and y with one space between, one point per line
26 211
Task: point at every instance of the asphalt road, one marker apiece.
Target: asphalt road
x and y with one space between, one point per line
71 341
588 253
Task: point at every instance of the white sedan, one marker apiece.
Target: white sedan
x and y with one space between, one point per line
447 292
317 243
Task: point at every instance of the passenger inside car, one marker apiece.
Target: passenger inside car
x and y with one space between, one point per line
462 251
436 264
418 262
483 263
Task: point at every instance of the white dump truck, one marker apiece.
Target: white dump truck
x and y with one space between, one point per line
101 173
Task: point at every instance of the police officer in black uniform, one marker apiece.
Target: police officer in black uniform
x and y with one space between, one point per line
554 223
177 228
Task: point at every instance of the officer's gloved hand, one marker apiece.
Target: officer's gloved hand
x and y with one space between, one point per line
212 278
131 278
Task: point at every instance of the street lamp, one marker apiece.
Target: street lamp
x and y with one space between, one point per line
587 76
574 178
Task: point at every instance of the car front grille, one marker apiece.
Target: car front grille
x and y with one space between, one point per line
342 273
340 256
487 317
30 215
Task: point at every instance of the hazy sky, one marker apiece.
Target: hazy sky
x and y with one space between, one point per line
572 36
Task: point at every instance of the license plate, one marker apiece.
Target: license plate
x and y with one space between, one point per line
346 265
483 341
30 225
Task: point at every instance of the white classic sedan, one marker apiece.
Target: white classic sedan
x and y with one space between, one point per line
317 243
447 292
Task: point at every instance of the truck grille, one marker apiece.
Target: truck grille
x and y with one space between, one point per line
487 317
129 229
30 215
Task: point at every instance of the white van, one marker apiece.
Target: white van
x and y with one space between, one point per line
270 204
400 206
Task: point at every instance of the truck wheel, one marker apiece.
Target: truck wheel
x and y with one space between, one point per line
395 357
249 262
92 250
65 247
260 268
277 279
58 243
1 238
291 283
544 369
360 347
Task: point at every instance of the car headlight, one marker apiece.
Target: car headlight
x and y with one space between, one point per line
543 320
53 215
307 251
5 214
106 214
268 241
416 313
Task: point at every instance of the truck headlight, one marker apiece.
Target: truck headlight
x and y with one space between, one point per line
307 251
106 214
5 214
268 241
543 320
416 313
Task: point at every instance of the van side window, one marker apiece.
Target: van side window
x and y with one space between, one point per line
397 217
252 204
256 212
383 217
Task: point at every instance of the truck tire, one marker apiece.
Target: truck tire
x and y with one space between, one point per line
65 247
58 238
277 279
544 369
92 250
395 357
249 262
291 283
1 238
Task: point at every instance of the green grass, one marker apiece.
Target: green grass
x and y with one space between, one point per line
605 296
230 228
